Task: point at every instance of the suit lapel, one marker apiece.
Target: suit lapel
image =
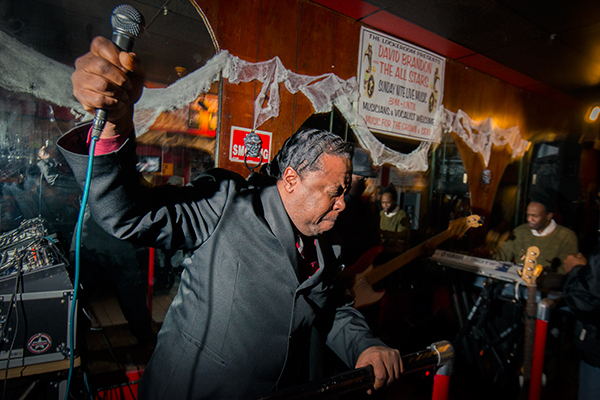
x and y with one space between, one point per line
280 224
327 252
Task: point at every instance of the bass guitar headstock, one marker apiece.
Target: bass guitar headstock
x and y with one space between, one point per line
531 269
459 227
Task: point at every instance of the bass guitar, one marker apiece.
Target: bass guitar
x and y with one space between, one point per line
362 288
530 272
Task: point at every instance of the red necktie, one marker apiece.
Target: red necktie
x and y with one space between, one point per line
308 260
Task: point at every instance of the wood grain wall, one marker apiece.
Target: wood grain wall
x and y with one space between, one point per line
308 38
312 40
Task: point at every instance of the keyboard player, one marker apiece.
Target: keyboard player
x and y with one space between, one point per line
555 242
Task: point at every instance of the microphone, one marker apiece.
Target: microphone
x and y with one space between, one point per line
127 23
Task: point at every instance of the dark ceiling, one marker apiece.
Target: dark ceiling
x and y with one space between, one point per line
63 29
549 47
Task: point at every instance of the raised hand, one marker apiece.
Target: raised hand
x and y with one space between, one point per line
109 79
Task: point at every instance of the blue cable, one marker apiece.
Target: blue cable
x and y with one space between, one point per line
87 386
86 189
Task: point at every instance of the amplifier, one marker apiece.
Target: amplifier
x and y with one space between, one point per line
36 294
35 322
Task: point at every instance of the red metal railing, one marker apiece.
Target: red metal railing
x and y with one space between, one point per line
439 354
539 346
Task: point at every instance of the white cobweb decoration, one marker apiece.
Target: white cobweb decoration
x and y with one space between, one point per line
24 70
480 136
20 72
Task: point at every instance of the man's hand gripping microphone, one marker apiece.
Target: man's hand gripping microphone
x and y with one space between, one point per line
128 24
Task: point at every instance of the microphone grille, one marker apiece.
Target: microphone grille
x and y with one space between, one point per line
126 19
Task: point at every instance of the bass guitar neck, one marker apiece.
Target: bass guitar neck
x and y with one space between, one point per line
362 289
530 321
530 272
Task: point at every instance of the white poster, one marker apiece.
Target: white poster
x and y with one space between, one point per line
401 85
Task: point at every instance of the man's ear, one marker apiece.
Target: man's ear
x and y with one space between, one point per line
290 179
549 216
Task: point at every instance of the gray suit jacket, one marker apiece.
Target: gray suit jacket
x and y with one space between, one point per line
240 324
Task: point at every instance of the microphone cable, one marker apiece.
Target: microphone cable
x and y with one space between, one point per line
80 218
127 23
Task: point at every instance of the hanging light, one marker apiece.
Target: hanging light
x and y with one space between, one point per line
181 71
593 113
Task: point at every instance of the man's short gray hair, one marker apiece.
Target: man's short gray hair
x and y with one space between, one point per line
302 152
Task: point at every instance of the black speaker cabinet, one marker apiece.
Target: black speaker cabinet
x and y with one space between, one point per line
35 316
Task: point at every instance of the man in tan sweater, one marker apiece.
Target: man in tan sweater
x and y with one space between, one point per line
554 241
394 224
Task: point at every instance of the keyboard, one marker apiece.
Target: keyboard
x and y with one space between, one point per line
502 270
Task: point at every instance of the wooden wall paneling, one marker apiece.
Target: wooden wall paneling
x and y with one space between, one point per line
328 44
313 40
459 86
237 110
315 52
278 36
513 110
500 101
477 94
254 32
317 35
236 29
531 121
278 31
544 116
533 124
345 50
482 96
479 101
345 47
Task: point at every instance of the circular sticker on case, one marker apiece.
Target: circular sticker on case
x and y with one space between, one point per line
39 343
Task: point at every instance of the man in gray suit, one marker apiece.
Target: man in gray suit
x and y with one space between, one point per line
262 275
